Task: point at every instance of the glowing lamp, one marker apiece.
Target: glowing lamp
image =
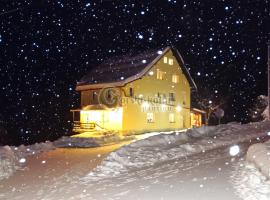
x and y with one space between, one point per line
178 108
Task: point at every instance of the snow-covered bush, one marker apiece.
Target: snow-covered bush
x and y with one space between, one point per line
259 155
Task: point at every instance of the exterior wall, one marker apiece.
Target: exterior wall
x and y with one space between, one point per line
148 87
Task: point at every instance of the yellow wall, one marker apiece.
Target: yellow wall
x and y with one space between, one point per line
149 86
110 119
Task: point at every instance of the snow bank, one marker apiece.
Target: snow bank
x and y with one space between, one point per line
249 183
13 158
163 147
7 162
259 155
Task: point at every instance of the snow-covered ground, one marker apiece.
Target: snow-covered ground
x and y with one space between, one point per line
14 158
161 148
164 166
251 176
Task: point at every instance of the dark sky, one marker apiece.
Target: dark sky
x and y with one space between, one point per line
47 46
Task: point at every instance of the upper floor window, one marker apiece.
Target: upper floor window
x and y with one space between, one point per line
131 92
94 97
175 78
165 59
160 74
171 96
170 61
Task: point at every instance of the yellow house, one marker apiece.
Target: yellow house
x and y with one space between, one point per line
131 94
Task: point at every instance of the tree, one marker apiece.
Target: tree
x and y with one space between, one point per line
258 111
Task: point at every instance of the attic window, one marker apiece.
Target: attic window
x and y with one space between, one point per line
165 59
170 61
175 78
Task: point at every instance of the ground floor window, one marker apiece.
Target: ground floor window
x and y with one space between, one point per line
171 118
150 117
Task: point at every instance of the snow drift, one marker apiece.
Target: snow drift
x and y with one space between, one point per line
249 182
163 147
259 155
14 158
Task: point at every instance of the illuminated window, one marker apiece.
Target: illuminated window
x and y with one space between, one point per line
150 117
170 61
175 78
171 118
160 74
165 59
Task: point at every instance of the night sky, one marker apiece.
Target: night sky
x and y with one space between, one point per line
47 46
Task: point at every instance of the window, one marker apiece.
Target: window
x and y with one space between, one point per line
150 117
171 118
131 92
171 97
160 74
165 59
175 78
170 61
94 97
184 96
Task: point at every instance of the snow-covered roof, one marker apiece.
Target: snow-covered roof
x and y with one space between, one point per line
120 70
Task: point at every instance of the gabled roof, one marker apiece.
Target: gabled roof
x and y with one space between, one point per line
120 70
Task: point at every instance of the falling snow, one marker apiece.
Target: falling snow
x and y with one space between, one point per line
48 46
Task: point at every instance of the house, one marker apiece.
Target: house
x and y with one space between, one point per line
149 91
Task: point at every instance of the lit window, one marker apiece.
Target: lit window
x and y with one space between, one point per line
175 78
165 59
170 61
171 118
160 74
150 117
